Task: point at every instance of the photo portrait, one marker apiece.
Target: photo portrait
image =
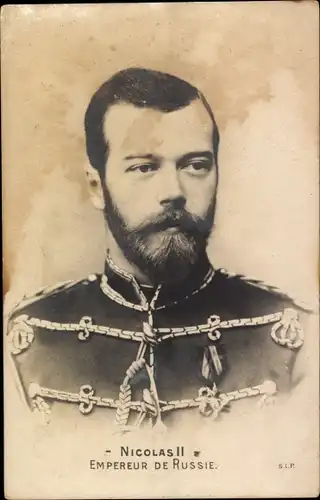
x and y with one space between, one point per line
160 237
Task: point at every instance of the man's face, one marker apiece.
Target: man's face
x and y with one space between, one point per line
160 186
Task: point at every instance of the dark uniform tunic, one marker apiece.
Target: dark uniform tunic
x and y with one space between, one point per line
108 346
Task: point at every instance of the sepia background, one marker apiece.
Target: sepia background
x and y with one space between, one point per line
257 64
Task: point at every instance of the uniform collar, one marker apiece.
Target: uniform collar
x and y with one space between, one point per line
125 289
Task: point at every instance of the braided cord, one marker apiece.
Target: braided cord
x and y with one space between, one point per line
85 327
124 403
87 400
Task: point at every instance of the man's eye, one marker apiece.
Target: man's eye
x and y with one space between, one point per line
198 167
144 168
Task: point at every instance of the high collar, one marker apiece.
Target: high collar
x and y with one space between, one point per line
127 287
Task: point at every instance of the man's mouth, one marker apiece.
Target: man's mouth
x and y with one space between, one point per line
174 223
172 229
168 228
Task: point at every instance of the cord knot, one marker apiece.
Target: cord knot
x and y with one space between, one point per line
149 335
288 331
210 404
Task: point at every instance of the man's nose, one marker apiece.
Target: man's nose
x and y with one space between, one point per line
171 192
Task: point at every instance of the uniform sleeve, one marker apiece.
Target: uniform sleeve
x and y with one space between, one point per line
305 370
15 395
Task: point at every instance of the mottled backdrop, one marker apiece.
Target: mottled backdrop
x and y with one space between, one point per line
257 63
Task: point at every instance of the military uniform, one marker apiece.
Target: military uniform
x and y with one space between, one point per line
141 355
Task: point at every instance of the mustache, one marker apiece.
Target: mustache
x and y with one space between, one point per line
181 219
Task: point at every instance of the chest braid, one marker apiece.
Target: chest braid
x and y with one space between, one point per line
286 331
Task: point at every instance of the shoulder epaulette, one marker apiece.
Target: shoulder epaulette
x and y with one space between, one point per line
254 282
268 288
48 291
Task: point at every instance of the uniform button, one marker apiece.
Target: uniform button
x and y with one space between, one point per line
92 277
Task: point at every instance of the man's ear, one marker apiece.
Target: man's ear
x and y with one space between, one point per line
95 187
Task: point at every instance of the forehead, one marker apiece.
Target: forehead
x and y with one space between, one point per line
132 130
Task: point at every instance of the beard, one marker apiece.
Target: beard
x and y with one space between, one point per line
166 247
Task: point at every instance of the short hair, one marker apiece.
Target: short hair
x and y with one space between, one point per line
144 88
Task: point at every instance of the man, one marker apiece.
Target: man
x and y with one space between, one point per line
160 332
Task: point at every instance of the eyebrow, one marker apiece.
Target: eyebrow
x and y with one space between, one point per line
181 159
145 157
